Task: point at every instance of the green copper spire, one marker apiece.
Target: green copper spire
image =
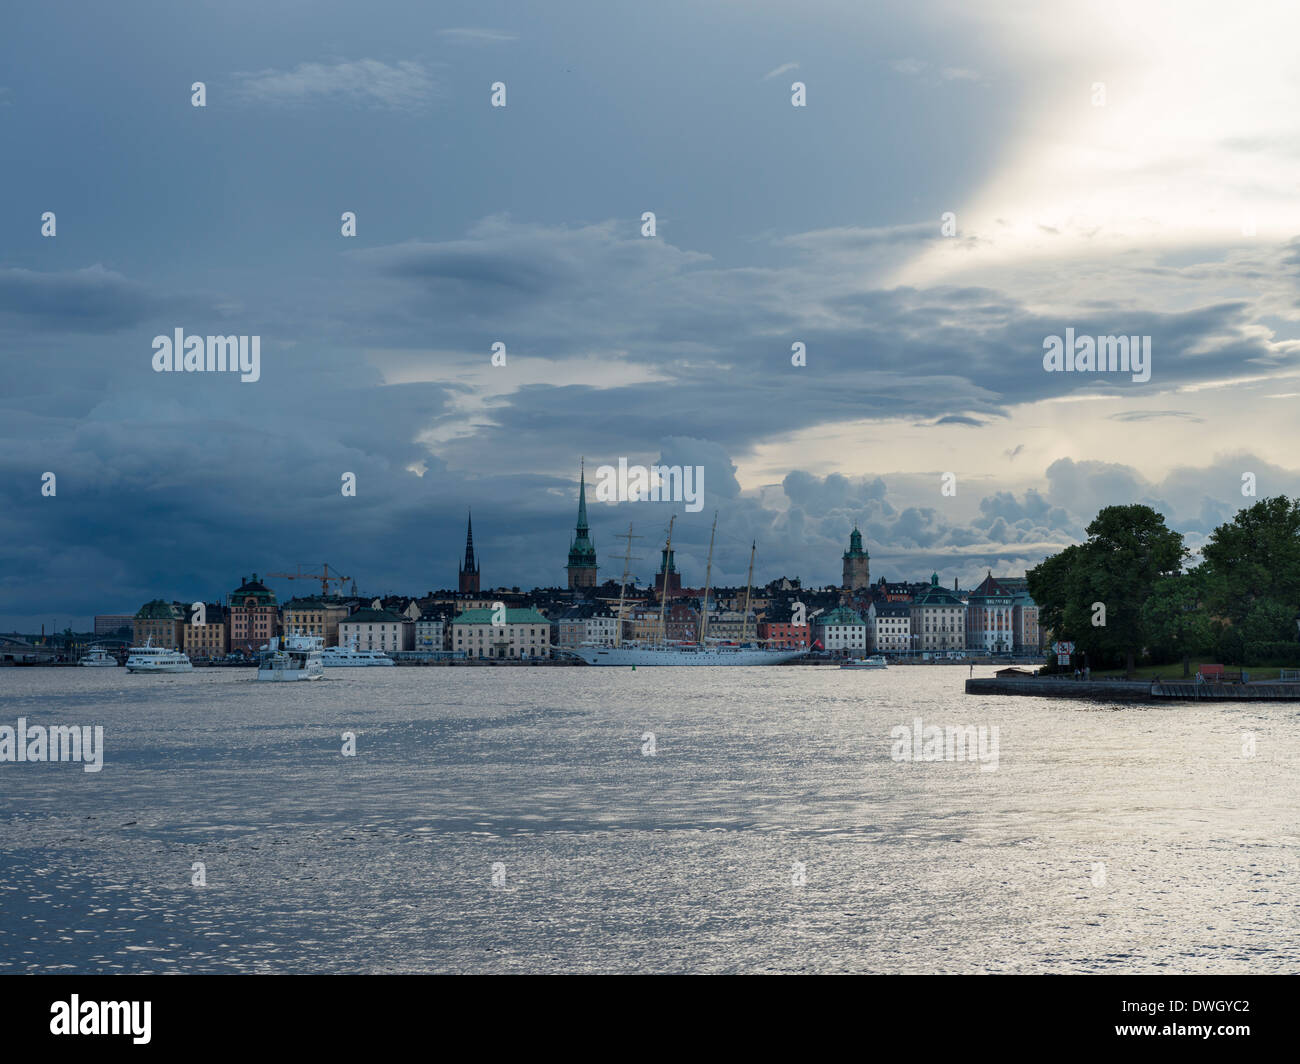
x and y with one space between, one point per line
582 552
582 498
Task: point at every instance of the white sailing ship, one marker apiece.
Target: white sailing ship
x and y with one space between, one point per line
684 653
296 657
150 658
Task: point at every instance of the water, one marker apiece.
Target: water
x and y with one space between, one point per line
616 861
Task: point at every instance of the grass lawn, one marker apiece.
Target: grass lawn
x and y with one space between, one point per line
1175 672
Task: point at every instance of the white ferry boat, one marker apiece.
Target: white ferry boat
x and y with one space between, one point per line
876 661
98 658
350 657
299 658
150 658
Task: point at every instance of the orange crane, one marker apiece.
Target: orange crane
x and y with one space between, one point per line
324 577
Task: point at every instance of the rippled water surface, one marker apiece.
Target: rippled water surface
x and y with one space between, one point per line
616 861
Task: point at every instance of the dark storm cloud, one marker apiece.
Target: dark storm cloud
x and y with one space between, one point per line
90 300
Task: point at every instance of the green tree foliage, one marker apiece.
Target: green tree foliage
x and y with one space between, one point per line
1174 624
1128 551
1254 559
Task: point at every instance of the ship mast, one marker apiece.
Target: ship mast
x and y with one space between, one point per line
663 587
622 591
708 572
749 583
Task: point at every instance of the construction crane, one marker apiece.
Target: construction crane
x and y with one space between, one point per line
324 576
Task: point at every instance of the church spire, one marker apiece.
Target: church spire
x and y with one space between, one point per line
582 552
469 575
582 497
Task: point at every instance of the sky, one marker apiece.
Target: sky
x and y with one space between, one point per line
963 181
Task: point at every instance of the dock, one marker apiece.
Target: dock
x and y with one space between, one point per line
1109 690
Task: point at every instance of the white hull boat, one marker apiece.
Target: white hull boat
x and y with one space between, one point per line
631 654
876 661
98 659
299 658
351 658
150 658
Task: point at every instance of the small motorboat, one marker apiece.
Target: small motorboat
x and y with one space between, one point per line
876 661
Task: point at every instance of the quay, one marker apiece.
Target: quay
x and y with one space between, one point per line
1108 690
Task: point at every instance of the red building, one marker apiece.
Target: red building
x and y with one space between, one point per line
783 635
254 616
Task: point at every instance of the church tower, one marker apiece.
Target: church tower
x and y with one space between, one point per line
469 567
857 563
582 552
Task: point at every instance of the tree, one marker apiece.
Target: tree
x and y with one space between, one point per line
1093 593
1255 558
1173 621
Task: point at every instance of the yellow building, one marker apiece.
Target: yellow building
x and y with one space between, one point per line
210 639
314 616
159 621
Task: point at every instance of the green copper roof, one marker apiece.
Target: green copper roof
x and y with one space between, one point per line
856 550
158 610
582 552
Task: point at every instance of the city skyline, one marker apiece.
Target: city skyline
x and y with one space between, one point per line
920 274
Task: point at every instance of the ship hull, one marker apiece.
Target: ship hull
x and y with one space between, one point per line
679 656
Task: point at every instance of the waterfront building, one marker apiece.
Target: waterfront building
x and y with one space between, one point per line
254 617
857 563
681 623
371 629
161 621
938 618
841 631
432 629
469 573
585 622
110 623
889 627
1027 636
210 640
777 631
525 634
582 552
990 617
730 626
314 615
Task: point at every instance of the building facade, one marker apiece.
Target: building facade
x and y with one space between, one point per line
587 622
842 631
938 619
889 627
254 617
162 622
432 630
210 640
371 629
108 623
314 616
990 617
524 634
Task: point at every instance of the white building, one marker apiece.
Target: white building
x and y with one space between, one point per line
841 631
431 631
889 627
377 630
521 634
